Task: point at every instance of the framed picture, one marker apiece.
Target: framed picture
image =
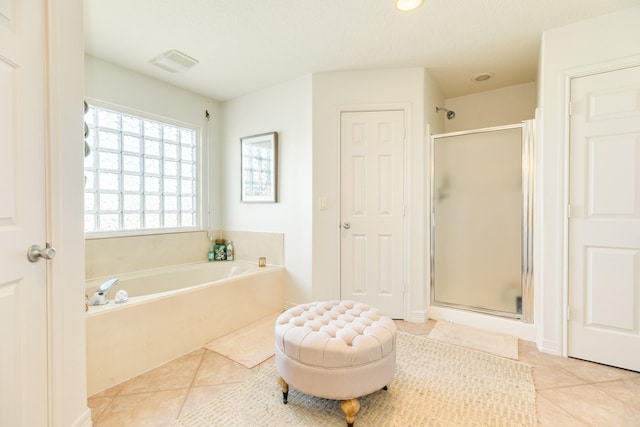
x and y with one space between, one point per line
259 165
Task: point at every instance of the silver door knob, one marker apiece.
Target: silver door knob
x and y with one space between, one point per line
35 252
346 225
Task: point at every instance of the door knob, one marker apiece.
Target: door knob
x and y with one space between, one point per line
346 225
35 252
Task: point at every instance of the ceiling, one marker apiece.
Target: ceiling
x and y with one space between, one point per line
246 45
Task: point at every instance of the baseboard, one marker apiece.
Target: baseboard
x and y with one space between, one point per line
550 347
417 316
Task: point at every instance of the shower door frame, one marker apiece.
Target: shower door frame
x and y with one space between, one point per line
527 148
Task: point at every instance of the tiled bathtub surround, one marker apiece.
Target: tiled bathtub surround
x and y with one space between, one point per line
128 340
249 246
142 337
116 255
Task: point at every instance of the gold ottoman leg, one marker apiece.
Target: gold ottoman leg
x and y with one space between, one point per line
350 408
285 390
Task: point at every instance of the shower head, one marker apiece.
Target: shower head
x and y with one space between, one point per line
450 114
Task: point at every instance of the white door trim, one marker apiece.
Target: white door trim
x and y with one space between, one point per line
564 127
65 211
335 235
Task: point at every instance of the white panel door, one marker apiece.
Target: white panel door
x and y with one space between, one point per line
604 224
372 209
23 308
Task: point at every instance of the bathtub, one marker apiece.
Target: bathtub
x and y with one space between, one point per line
172 311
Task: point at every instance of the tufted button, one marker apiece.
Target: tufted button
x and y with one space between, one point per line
314 324
330 330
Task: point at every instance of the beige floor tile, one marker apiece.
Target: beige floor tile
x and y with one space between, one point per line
594 372
216 369
550 415
592 406
98 404
99 401
415 328
545 377
570 392
526 348
155 409
197 352
528 353
627 390
178 373
200 396
110 392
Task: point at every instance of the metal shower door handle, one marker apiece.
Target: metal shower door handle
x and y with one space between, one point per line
35 252
346 225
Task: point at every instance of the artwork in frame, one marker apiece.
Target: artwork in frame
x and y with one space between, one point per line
259 166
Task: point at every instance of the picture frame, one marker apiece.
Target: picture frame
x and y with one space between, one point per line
259 168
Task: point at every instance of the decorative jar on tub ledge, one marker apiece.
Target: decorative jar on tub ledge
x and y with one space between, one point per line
220 250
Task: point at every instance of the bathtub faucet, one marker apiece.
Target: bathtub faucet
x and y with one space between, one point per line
100 296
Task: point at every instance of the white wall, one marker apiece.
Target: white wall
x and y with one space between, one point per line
286 109
393 88
108 82
585 47
433 97
504 106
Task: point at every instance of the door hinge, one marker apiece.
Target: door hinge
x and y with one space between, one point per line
568 313
570 108
568 211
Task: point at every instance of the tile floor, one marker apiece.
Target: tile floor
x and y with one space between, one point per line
570 392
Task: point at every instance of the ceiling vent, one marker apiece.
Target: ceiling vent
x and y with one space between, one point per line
174 61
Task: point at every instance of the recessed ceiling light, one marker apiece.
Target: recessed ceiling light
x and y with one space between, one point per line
407 5
174 61
483 77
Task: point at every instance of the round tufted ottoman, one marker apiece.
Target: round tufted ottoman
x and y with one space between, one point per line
338 350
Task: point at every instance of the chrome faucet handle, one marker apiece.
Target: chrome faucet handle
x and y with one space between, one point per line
107 285
99 297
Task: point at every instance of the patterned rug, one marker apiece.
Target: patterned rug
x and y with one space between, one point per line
436 384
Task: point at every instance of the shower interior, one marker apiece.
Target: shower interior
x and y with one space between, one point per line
481 219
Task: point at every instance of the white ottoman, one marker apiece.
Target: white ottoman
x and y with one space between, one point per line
338 350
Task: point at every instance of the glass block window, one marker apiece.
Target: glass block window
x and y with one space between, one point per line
140 173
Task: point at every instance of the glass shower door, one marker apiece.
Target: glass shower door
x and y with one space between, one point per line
478 244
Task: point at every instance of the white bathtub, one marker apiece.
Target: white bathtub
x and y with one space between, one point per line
172 311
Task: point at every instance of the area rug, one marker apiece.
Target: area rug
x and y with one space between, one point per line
251 345
476 339
435 384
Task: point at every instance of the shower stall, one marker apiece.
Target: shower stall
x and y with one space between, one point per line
481 220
